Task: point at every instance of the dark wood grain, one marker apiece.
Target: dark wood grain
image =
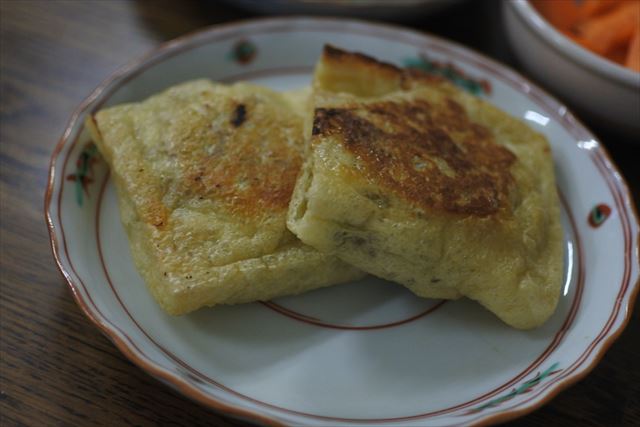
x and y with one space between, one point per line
56 368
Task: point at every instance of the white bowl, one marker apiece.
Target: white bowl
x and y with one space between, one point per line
602 90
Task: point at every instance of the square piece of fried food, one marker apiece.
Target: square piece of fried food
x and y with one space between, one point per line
415 181
204 174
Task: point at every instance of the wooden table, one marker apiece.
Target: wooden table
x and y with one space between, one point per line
56 367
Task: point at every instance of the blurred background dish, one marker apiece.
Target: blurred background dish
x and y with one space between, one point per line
602 90
371 9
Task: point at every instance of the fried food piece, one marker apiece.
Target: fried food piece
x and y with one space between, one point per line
204 174
415 181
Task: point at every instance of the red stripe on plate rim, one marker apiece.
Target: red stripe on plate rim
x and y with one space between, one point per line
324 324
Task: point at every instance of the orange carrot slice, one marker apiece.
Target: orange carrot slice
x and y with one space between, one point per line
633 55
610 28
616 27
591 8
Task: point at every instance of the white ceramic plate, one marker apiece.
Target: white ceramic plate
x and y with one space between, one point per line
368 352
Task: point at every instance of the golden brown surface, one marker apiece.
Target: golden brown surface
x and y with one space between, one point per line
204 174
215 154
435 158
427 151
414 181
249 184
56 367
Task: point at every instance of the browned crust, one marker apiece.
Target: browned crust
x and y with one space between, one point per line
247 165
427 152
431 156
371 68
331 53
243 154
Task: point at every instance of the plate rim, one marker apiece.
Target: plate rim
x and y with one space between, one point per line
198 37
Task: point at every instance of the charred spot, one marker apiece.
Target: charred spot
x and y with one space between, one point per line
317 123
472 176
239 115
435 280
326 119
355 130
